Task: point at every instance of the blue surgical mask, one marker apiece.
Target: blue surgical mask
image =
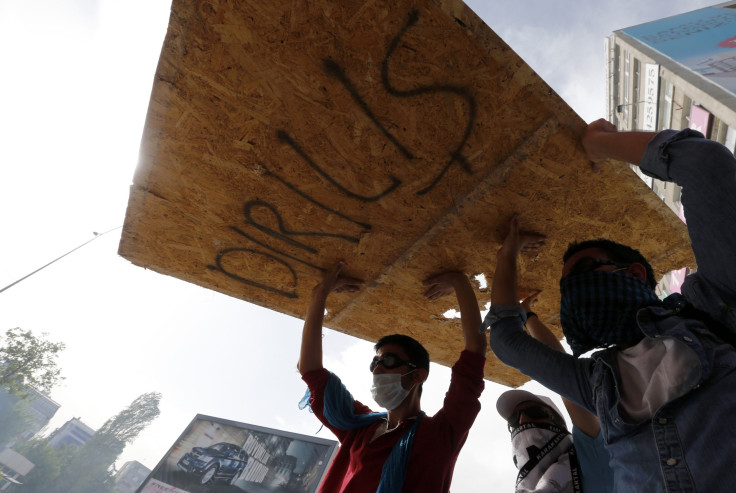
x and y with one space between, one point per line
387 390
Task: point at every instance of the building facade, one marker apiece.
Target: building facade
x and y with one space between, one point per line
25 417
73 432
675 73
130 477
41 408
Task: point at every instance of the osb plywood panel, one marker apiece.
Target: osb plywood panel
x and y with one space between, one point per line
400 136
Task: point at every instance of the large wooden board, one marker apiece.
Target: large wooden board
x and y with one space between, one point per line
399 135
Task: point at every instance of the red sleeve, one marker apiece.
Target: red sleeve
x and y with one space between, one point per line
316 380
462 402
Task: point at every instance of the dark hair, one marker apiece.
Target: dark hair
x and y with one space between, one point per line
616 252
414 351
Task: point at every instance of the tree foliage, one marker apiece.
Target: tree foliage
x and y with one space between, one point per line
28 361
87 469
48 464
56 470
128 423
15 418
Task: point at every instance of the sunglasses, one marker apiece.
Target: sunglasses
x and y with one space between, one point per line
588 264
535 413
390 361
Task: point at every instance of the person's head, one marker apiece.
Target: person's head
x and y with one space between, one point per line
398 353
519 407
590 255
603 286
534 423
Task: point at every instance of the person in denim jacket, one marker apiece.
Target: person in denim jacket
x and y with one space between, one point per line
664 387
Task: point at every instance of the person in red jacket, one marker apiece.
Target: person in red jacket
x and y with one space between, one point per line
400 450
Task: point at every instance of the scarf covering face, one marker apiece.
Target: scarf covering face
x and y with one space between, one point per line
544 455
339 411
598 309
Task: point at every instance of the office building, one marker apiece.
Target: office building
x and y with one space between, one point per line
36 410
73 432
41 409
130 477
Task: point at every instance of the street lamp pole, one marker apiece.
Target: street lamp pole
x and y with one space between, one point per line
97 235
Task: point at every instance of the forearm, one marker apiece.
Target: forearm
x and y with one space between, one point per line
557 371
462 404
585 420
622 146
504 288
541 332
310 356
470 317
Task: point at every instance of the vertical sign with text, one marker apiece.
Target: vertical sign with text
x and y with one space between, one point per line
651 97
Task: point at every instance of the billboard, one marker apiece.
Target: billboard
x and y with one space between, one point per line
217 455
703 41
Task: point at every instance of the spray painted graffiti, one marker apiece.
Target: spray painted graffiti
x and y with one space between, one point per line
286 138
298 240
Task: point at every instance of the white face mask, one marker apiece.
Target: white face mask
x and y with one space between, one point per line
387 390
553 468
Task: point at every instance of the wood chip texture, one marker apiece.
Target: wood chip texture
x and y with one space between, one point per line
398 135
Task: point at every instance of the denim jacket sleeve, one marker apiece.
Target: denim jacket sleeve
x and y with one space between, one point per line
560 372
706 171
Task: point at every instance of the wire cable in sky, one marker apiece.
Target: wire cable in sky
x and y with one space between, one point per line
97 235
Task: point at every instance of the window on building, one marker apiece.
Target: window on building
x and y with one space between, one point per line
676 194
617 72
635 93
658 188
666 120
719 130
626 82
685 118
730 139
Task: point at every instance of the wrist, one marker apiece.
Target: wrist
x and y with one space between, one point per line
459 279
508 252
530 313
319 294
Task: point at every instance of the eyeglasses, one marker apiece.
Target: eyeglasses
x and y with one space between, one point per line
390 361
535 413
589 264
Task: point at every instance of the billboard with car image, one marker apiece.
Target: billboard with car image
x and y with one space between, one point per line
214 455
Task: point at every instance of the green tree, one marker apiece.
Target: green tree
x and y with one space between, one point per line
28 361
15 418
128 423
48 463
90 469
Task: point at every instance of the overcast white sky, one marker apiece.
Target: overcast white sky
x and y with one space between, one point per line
74 87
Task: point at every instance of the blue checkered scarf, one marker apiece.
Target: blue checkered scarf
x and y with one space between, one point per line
598 309
339 411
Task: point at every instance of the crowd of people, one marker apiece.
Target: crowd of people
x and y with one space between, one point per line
647 386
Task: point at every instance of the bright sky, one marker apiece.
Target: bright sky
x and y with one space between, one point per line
76 78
